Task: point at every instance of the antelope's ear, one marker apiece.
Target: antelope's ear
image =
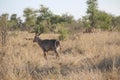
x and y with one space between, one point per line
39 33
35 33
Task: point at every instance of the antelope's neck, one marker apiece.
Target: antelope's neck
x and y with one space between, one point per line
39 40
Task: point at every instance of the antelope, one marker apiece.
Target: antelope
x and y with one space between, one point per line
47 45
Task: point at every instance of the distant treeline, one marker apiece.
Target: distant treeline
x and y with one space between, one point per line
44 19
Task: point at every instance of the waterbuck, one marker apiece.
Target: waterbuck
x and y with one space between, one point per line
47 45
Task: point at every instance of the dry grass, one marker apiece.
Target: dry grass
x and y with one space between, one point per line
94 56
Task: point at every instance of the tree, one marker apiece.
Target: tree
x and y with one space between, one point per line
116 23
30 17
91 11
85 21
3 28
13 22
13 17
44 18
20 23
103 20
67 18
55 19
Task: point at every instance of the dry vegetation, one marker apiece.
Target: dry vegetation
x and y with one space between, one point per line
85 56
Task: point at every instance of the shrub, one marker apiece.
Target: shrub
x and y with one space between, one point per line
63 33
38 29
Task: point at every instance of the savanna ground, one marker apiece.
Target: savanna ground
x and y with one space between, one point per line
84 56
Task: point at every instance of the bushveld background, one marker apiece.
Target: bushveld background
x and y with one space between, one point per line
90 46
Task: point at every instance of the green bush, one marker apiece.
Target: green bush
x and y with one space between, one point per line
63 34
39 29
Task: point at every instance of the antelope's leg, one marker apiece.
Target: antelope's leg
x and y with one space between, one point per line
57 55
45 55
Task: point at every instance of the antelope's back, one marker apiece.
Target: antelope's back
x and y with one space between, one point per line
50 44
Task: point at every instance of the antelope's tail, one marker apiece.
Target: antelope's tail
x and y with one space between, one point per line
57 44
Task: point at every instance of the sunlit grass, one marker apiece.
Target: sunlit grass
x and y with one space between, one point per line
94 56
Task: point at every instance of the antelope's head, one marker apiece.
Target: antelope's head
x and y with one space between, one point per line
36 38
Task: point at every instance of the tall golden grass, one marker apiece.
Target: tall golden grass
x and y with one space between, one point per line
88 56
